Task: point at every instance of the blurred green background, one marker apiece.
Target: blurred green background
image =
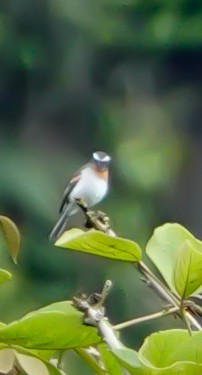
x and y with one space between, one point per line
83 75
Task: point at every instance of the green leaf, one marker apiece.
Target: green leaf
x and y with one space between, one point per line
187 270
43 354
98 243
163 246
24 360
57 326
189 349
11 236
4 276
129 359
172 352
111 363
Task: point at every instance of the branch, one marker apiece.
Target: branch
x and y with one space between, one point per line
142 319
101 222
94 315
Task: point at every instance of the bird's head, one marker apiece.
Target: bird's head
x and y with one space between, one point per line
101 160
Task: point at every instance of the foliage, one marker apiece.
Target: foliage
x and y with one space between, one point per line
30 344
11 235
178 256
98 243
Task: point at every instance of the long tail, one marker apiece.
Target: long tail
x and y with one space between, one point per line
61 224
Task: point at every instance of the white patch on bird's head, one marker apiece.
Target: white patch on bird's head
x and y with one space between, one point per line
100 156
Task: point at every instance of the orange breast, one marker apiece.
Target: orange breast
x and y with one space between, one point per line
102 173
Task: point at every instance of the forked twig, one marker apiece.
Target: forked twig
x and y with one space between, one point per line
100 221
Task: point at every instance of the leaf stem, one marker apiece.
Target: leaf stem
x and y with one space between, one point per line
184 316
146 318
163 291
60 357
160 288
90 361
187 322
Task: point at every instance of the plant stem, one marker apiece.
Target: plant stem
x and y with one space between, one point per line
166 294
142 319
160 288
187 322
60 356
184 316
90 361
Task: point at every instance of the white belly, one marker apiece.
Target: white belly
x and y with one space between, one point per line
91 188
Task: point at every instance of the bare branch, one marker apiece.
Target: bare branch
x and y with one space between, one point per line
142 319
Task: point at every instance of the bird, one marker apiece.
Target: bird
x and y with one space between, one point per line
90 184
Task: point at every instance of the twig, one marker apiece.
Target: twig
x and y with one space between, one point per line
160 288
102 223
94 315
142 319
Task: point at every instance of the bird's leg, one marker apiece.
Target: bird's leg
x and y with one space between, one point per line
84 207
98 220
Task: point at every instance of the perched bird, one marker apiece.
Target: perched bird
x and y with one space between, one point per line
90 183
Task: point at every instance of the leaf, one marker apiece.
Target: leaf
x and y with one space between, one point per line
7 358
57 326
190 349
31 365
26 361
172 352
98 243
4 276
187 270
163 246
11 235
43 354
129 359
158 347
111 363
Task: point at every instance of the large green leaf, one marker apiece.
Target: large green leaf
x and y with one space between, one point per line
26 361
129 359
111 363
187 270
98 243
11 235
172 352
163 246
57 326
4 276
189 349
43 354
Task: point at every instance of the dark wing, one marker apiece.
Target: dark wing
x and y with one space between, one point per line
70 187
